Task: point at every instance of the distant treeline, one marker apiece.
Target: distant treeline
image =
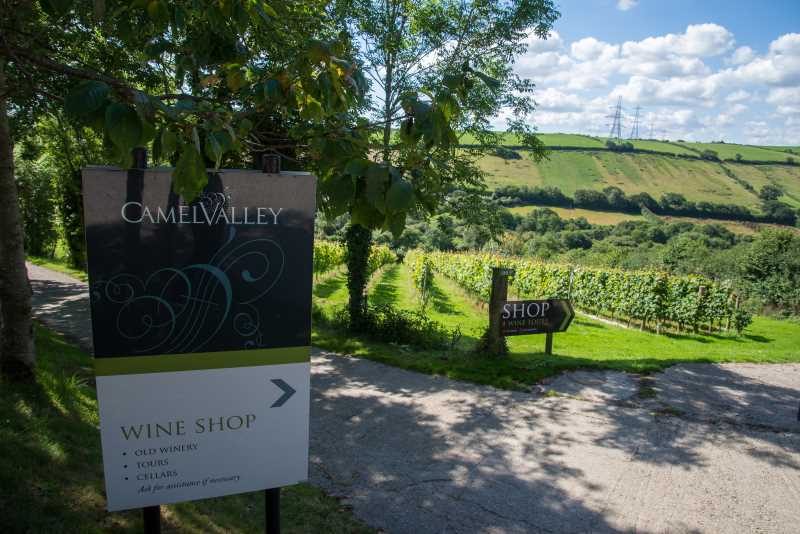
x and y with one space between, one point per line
614 199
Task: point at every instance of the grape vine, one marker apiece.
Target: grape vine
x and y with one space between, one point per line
652 298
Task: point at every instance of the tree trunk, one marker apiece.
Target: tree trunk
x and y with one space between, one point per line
359 240
17 354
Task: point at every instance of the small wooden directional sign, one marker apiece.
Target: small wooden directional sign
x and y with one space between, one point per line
535 317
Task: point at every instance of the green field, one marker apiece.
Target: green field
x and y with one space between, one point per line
654 174
661 146
723 150
587 344
748 152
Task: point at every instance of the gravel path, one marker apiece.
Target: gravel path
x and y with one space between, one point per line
709 448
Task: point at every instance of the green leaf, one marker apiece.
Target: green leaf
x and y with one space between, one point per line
366 215
123 126
148 133
234 79
493 83
169 143
158 12
397 223
86 98
377 178
356 167
213 149
56 8
400 197
339 191
189 177
268 10
245 125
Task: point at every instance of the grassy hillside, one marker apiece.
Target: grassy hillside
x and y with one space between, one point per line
748 152
654 174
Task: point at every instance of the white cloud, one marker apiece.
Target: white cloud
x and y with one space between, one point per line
738 96
687 95
741 55
590 49
538 44
786 44
780 67
554 100
625 5
786 99
699 40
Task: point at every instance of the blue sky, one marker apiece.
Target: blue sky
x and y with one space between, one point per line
700 70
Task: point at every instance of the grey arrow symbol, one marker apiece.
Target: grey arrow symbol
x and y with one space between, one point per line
288 391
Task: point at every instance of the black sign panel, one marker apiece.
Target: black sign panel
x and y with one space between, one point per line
535 316
230 270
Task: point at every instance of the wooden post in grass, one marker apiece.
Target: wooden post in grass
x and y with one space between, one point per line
496 343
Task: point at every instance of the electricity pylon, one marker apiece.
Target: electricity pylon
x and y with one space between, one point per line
616 125
635 128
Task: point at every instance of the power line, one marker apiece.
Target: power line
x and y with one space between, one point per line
635 128
616 126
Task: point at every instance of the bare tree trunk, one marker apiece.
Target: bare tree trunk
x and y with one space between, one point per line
17 353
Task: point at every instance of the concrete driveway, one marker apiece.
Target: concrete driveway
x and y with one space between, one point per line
698 448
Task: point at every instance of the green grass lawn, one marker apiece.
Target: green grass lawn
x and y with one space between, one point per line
587 344
52 477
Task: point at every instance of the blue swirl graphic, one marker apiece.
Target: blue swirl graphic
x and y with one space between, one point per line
179 310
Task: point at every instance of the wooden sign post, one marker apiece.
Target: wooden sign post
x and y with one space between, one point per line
524 317
495 343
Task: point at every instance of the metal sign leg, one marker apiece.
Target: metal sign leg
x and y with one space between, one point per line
152 519
272 509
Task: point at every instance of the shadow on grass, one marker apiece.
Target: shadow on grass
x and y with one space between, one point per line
328 287
441 302
385 292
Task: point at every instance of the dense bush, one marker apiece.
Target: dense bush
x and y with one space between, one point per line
506 153
392 325
771 269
